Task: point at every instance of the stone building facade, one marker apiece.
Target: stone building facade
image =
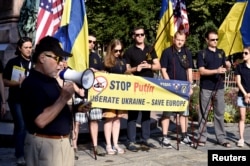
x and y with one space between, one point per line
9 15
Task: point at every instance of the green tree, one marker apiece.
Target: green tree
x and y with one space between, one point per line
204 15
116 19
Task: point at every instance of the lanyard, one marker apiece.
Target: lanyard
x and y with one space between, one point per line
27 71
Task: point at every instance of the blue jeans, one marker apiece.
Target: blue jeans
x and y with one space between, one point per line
19 128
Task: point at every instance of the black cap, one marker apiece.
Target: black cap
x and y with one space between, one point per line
52 44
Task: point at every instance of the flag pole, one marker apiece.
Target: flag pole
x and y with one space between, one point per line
148 56
232 44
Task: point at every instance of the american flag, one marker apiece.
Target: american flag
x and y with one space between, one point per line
180 16
49 18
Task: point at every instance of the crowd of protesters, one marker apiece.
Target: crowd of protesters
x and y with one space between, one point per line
41 103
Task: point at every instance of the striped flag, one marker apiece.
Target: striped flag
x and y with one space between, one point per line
49 18
165 32
73 34
173 18
180 16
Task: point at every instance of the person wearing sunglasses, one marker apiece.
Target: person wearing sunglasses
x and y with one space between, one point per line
141 61
15 71
242 73
95 114
212 65
47 115
113 63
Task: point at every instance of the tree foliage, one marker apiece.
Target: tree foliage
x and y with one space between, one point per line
204 15
116 19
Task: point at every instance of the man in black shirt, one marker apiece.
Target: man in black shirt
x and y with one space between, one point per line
141 61
44 104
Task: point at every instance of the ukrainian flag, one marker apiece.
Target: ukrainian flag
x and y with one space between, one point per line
165 32
73 34
234 32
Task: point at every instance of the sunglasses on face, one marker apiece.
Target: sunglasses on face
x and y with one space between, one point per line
91 41
213 39
245 53
117 51
56 58
139 34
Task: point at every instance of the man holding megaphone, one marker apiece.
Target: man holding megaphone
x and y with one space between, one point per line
46 114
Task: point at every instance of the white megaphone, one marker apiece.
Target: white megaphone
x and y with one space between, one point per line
84 79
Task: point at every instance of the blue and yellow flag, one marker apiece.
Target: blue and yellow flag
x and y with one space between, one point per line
245 26
165 32
73 34
234 32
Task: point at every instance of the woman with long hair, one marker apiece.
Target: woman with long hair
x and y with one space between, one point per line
113 63
242 73
15 71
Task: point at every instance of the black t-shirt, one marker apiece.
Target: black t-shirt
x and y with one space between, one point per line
1 71
135 56
211 60
244 73
170 61
95 61
37 93
1 67
14 92
119 68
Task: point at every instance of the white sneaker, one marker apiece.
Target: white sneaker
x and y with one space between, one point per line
20 161
240 143
187 141
165 142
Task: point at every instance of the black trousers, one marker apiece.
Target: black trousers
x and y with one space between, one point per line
145 125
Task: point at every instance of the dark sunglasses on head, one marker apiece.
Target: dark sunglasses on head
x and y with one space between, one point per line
245 53
56 58
139 34
213 39
117 51
91 41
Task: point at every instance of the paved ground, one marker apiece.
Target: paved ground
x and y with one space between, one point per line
178 155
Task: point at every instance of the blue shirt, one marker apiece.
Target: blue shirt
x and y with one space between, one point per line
170 61
244 73
211 60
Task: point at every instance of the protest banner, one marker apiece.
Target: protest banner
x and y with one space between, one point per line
128 92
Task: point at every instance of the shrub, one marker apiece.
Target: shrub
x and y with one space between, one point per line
231 110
